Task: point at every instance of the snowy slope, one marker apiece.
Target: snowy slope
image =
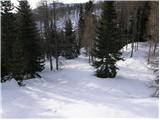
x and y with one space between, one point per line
76 92
74 16
60 22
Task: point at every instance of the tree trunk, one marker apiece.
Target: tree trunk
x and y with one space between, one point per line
155 46
137 45
56 42
149 53
132 49
50 59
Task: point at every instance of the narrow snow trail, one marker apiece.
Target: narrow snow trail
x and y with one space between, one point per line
76 92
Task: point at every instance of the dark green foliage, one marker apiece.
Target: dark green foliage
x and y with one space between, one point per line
107 44
80 28
7 38
18 60
27 52
60 37
69 50
142 18
88 7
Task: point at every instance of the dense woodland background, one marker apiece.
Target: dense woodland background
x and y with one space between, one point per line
53 29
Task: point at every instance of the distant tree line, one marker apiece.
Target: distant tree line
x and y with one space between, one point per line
103 29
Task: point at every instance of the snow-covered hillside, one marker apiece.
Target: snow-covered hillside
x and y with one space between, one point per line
76 92
74 16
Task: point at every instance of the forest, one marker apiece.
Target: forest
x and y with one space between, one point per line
79 55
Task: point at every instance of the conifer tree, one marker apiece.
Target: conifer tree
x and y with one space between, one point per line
80 28
18 68
106 44
7 38
89 30
69 50
88 7
142 18
27 51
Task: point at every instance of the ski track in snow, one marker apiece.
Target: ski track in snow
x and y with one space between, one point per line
76 92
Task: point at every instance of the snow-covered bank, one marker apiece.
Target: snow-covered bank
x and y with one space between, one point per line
76 92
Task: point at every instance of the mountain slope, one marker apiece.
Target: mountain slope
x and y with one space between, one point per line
76 92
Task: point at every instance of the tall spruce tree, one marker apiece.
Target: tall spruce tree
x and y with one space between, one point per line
69 50
107 44
142 18
7 38
27 51
88 7
80 28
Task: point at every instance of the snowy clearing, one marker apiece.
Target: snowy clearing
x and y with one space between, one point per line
76 92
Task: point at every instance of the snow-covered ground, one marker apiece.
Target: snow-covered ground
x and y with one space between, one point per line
76 92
